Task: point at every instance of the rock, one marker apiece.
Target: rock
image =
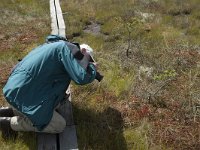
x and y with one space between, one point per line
145 72
2 37
145 16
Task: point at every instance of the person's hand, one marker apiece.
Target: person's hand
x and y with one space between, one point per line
85 53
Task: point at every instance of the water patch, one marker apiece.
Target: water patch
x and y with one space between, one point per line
93 28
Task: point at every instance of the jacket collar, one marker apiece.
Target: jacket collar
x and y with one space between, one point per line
55 38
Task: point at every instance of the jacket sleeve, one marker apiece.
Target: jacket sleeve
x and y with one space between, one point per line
78 73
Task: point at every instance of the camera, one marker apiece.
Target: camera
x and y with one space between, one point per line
98 77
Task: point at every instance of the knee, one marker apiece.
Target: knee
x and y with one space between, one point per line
56 125
61 125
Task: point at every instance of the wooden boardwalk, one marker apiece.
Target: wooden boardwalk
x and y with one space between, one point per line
67 140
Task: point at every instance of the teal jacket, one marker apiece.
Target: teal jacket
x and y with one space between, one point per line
38 83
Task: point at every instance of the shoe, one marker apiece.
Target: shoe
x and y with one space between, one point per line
6 112
5 127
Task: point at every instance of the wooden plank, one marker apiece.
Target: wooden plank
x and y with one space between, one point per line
65 109
61 23
47 141
57 21
68 138
54 25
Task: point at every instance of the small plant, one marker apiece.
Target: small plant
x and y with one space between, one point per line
130 28
165 75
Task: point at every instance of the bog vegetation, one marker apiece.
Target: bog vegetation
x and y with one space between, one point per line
148 51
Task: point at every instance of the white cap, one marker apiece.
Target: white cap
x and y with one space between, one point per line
89 50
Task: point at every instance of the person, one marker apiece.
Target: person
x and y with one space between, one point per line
38 83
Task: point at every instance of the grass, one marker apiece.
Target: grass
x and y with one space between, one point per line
96 127
123 111
26 141
164 43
